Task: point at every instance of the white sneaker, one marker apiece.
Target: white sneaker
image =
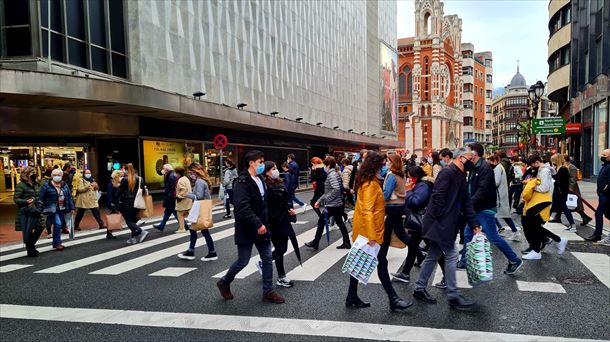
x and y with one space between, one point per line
132 241
561 245
305 207
568 228
532 255
572 229
516 236
142 236
605 242
284 282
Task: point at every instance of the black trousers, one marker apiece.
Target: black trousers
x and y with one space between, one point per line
129 214
280 246
96 213
337 214
382 268
33 238
535 232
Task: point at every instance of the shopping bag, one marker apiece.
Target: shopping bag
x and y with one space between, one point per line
139 203
221 192
193 213
572 201
69 218
204 221
149 210
396 242
114 221
478 260
361 260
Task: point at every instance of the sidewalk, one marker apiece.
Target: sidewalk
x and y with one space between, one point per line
8 233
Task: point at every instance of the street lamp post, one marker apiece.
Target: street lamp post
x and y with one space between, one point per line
534 93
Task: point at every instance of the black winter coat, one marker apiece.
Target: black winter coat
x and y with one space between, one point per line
279 202
562 185
169 193
482 185
250 209
449 207
318 176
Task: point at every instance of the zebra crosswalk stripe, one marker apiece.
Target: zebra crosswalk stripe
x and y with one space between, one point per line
319 263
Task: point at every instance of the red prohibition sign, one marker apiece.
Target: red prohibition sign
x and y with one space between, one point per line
220 141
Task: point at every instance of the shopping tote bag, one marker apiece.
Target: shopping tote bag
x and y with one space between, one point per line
149 210
361 260
204 221
114 221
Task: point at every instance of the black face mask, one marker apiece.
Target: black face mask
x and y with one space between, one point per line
468 165
603 159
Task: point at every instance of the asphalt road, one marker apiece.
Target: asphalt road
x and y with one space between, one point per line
571 303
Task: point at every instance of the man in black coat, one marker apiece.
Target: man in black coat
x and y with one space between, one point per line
603 191
250 202
169 195
448 207
483 194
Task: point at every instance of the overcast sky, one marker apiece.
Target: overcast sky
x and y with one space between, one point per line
511 29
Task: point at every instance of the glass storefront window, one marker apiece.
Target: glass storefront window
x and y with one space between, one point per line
212 161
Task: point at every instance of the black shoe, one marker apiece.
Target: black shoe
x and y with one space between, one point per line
110 236
462 304
226 217
424 296
356 302
32 253
399 276
398 304
585 221
593 238
158 227
345 246
555 220
312 244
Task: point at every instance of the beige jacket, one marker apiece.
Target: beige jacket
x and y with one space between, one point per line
86 196
183 187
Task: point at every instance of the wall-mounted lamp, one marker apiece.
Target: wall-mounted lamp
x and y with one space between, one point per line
197 95
274 113
336 127
350 130
241 105
298 119
319 124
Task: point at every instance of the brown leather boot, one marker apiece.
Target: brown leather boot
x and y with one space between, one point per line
273 297
225 290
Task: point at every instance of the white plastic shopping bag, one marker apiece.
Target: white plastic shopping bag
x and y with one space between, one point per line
572 201
194 213
361 260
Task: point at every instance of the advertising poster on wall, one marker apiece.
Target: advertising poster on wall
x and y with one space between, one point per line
389 103
157 154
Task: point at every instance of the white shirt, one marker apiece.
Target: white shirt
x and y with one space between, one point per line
259 183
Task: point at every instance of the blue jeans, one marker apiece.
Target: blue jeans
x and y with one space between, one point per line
56 221
166 214
294 199
604 202
509 221
244 252
488 224
208 240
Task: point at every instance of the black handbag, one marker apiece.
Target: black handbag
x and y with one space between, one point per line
414 220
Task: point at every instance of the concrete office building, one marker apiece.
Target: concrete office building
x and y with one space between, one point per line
311 77
477 76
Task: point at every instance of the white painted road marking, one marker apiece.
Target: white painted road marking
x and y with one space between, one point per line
319 263
12 267
598 264
268 325
172 271
540 287
395 258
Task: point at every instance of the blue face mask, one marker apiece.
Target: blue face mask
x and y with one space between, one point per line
383 171
443 164
260 169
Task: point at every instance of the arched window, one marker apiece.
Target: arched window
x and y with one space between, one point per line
427 23
405 81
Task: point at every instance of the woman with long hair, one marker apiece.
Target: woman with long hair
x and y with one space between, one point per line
279 213
394 192
200 192
561 191
368 222
436 164
127 194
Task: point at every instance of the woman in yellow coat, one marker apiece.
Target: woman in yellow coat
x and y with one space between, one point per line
369 222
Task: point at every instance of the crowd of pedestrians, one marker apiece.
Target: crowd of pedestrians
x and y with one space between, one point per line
425 204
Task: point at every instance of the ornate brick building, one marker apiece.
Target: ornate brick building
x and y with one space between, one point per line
430 83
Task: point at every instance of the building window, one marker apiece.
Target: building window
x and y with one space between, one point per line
468 87
598 56
15 28
488 63
586 66
467 104
467 71
405 81
88 34
427 23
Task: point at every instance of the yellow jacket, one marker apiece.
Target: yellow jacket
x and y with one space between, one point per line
369 213
428 170
533 198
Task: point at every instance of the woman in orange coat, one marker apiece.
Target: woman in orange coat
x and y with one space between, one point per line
368 222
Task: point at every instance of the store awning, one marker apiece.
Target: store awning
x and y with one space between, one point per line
54 92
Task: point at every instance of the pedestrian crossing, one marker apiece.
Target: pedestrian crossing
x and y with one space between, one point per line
314 265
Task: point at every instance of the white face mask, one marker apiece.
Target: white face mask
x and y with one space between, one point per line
57 179
163 171
87 175
275 174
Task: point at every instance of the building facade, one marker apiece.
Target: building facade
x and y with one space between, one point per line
430 81
477 74
589 86
143 81
510 113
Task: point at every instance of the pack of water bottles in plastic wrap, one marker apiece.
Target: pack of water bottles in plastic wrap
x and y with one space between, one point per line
478 260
